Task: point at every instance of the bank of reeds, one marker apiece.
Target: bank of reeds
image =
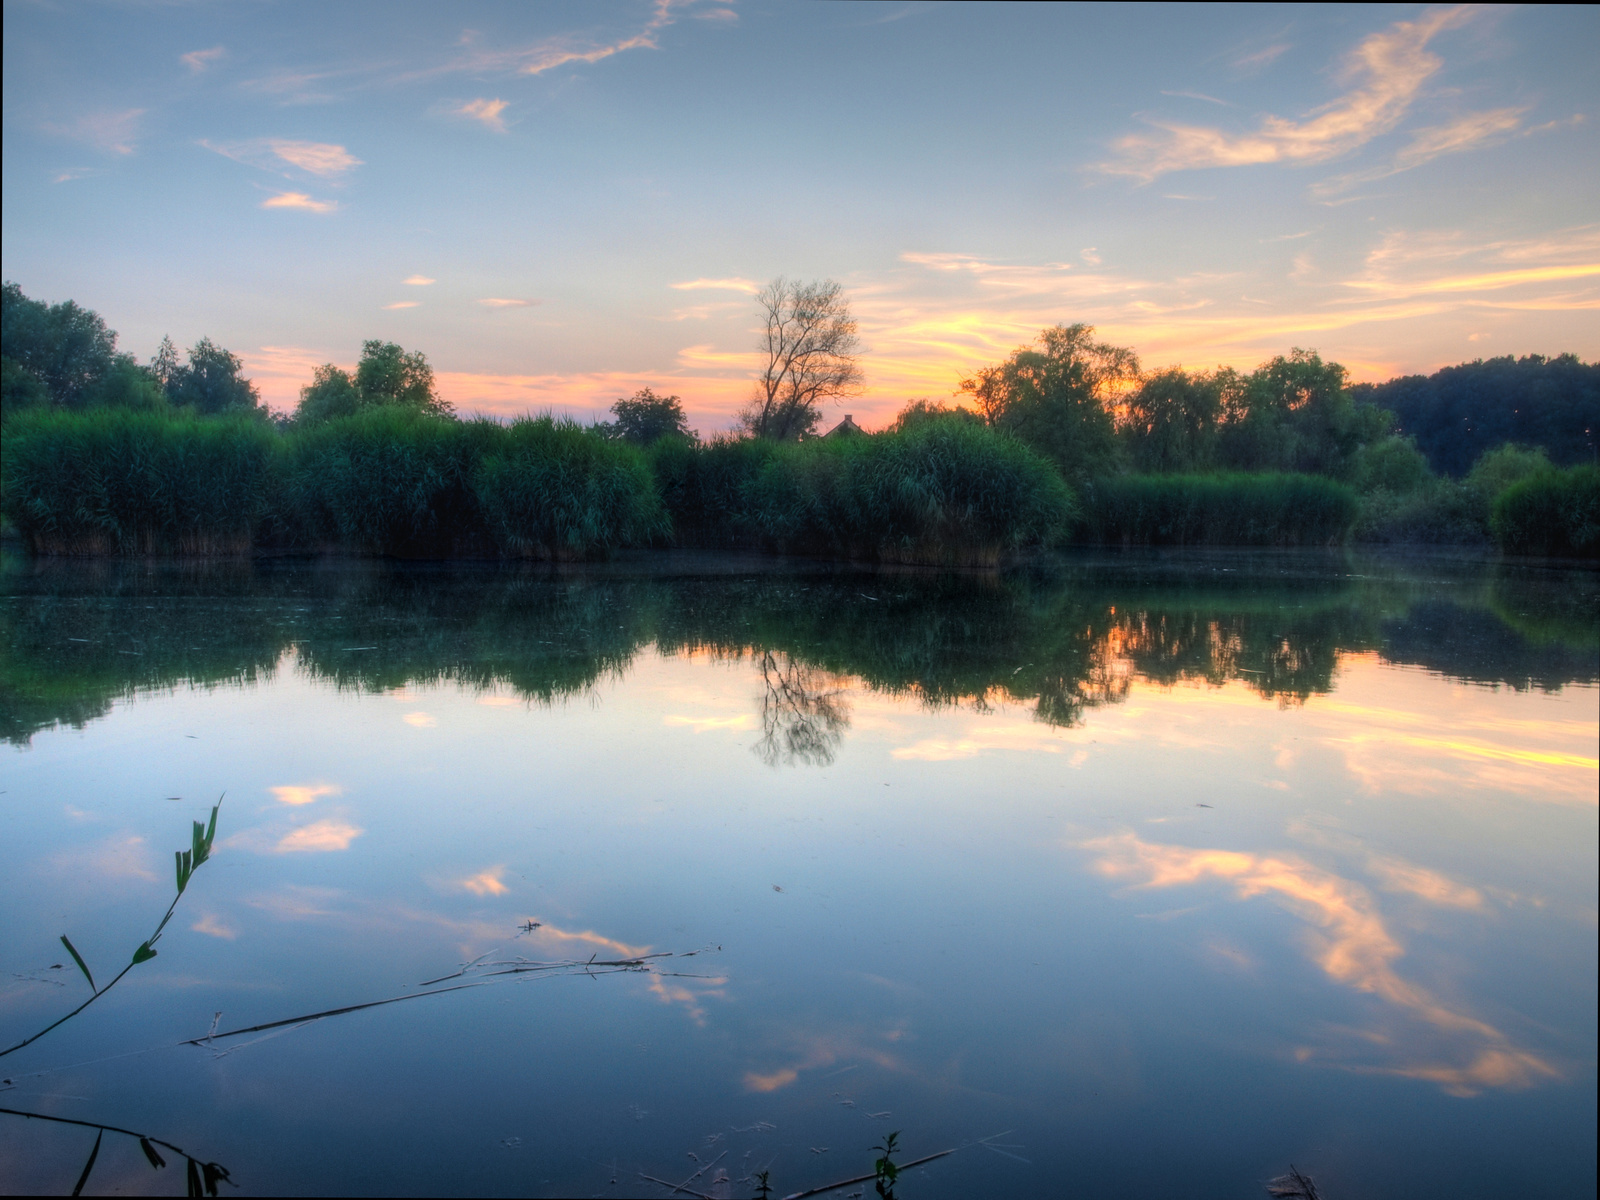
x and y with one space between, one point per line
1555 513
116 481
1218 510
387 481
944 493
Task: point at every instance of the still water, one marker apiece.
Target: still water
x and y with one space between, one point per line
1124 876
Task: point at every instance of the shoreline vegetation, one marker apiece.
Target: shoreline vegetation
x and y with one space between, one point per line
1066 442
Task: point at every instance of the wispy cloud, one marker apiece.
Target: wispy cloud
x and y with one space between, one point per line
402 304
1352 945
1470 132
487 111
507 302
1255 60
299 200
110 132
1391 68
325 160
202 60
1198 96
549 53
748 286
419 281
68 174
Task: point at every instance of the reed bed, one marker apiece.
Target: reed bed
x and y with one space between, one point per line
115 481
1555 513
1219 510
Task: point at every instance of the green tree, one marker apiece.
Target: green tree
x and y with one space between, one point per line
331 393
68 349
1056 396
1393 464
19 387
920 412
1296 413
646 417
1170 422
1498 469
386 374
210 382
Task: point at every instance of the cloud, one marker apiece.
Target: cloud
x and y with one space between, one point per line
1198 96
216 928
486 883
68 174
487 111
420 720
118 857
1255 60
1470 132
319 836
110 132
402 304
1349 942
299 200
201 60
727 285
325 160
551 53
299 794
322 159
418 281
704 724
507 302
1392 66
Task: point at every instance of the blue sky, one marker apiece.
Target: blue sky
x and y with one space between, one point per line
562 203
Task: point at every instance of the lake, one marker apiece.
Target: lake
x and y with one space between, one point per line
1122 875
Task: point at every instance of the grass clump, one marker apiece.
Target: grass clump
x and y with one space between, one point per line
944 492
1555 513
703 487
1219 510
120 481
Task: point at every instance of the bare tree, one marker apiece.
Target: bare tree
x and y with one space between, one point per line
810 346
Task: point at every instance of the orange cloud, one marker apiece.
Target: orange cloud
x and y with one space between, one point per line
1350 943
1393 67
299 200
320 836
487 111
298 794
486 883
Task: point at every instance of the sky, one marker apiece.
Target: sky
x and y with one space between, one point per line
562 203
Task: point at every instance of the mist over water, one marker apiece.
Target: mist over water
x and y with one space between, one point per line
1130 873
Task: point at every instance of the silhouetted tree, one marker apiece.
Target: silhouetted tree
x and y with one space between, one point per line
810 347
1295 413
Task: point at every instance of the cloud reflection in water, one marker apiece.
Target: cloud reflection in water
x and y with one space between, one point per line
1349 942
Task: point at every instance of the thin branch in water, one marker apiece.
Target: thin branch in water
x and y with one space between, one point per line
867 1178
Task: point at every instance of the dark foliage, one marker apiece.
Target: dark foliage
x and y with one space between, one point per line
1458 413
1219 510
1552 513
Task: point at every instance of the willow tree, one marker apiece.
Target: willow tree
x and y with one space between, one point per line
809 346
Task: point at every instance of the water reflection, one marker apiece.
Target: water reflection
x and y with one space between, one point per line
77 637
1349 940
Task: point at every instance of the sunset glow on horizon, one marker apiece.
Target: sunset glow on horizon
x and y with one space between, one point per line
562 204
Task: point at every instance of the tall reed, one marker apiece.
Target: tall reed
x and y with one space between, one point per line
1554 513
117 481
551 489
943 492
1219 510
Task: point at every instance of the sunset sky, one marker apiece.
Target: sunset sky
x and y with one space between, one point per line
560 204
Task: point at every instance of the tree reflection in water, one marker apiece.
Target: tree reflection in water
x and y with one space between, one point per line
804 712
